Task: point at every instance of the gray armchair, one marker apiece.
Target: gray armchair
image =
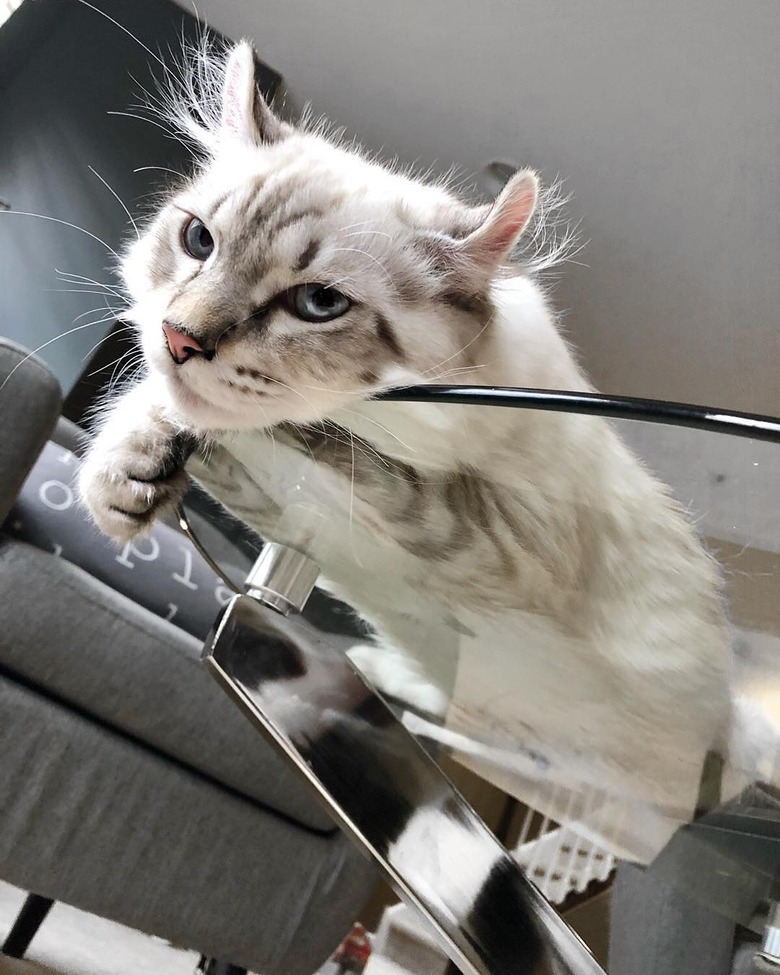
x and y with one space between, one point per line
132 787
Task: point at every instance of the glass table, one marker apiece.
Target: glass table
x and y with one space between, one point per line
716 845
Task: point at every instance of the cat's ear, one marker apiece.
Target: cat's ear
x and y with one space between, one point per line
474 242
245 115
489 245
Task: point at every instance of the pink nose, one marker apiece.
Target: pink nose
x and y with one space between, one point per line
180 345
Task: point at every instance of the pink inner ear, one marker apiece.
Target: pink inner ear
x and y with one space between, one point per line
503 227
231 115
234 110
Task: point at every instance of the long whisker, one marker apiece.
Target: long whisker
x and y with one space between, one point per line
126 31
128 353
162 169
377 233
120 369
72 291
360 223
463 349
327 389
380 461
112 334
357 250
298 427
118 199
278 382
40 348
65 223
382 427
114 311
100 321
355 555
270 429
83 279
449 373
103 289
150 121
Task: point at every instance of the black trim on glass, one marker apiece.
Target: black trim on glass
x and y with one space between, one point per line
750 425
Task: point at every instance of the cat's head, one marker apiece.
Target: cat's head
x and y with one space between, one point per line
291 274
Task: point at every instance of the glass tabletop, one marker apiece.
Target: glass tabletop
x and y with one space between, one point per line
593 715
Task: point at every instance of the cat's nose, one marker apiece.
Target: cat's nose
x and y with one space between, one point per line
181 345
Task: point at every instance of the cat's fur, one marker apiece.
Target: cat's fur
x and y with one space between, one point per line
595 629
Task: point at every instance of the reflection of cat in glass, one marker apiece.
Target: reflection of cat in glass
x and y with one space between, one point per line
290 279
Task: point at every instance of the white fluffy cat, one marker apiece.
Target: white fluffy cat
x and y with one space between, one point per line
532 583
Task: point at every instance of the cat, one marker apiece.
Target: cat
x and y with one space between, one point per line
531 583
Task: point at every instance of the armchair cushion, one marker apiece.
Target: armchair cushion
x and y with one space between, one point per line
30 402
160 571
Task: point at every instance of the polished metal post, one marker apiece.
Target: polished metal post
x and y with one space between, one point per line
282 578
381 786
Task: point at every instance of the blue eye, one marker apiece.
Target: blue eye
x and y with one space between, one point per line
197 240
317 303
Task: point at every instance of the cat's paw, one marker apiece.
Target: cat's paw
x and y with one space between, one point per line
398 675
128 481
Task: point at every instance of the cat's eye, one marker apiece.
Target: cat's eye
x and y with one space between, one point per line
316 302
197 240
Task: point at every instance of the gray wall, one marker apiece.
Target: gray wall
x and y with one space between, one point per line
53 126
662 116
63 69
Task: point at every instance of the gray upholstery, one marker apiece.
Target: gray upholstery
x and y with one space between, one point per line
132 787
139 674
30 402
89 818
70 436
657 930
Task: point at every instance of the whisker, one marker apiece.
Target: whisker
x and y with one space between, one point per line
158 125
126 31
297 393
386 464
162 169
357 250
270 429
40 348
449 373
377 233
71 291
299 428
114 311
127 354
463 349
355 555
116 196
100 321
112 334
83 279
382 427
360 223
65 223
120 369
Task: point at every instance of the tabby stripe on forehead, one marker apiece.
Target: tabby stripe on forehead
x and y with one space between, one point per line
217 205
276 197
308 255
295 217
387 335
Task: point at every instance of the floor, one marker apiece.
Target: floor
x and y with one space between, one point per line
71 942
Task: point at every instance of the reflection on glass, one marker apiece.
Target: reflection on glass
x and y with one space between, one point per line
623 711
